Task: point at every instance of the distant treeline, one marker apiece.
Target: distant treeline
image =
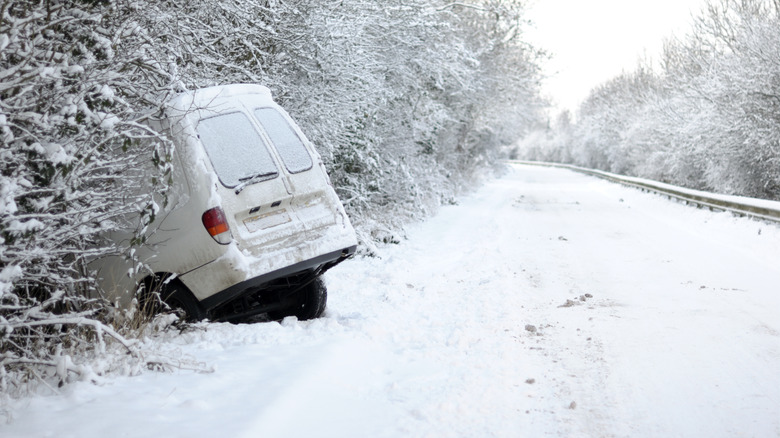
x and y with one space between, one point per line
706 117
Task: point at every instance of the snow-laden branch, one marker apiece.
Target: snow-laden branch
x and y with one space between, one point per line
462 5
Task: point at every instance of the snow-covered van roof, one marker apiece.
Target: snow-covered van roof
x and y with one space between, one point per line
200 98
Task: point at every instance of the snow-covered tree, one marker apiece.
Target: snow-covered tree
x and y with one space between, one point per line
709 118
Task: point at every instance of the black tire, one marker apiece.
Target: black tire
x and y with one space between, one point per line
176 297
310 304
179 298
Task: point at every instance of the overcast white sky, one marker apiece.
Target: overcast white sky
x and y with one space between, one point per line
594 40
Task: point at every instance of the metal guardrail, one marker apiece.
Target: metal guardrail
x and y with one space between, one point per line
743 206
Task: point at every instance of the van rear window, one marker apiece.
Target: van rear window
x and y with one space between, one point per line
235 148
290 147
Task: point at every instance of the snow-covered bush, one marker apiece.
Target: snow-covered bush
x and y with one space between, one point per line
405 100
76 86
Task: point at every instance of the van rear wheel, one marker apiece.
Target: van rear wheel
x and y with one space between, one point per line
175 296
179 298
310 302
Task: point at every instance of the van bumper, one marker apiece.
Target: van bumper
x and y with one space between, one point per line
322 262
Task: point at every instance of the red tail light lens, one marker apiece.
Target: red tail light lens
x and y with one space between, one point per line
216 224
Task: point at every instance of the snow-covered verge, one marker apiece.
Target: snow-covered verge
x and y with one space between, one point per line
547 303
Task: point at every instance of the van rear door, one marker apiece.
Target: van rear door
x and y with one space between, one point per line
307 178
254 194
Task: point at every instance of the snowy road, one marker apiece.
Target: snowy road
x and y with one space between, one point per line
546 304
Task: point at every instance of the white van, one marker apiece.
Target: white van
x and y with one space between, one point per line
251 222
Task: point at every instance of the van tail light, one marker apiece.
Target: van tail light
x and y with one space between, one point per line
216 224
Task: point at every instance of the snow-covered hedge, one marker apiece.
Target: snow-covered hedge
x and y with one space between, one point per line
708 118
77 81
405 100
